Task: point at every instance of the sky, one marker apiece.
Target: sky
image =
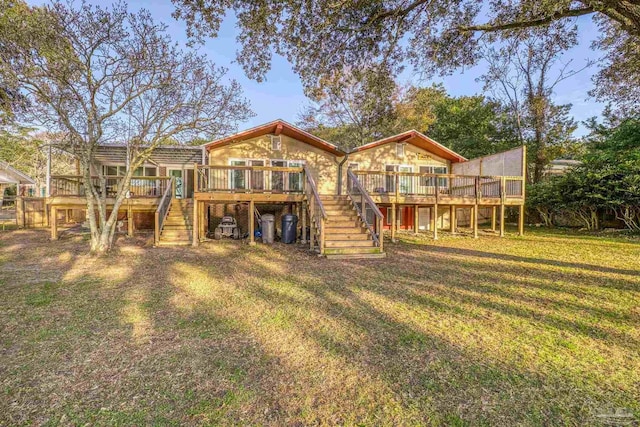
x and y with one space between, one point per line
281 96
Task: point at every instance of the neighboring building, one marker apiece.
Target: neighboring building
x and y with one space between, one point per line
345 199
560 166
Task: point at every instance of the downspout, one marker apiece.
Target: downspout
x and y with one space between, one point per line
346 157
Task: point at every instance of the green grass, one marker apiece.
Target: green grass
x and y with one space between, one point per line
542 329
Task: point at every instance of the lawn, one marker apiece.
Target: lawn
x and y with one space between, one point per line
534 330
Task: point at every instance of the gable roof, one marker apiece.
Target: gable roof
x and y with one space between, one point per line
9 174
418 139
277 127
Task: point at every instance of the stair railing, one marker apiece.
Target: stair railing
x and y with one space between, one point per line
163 209
316 210
363 202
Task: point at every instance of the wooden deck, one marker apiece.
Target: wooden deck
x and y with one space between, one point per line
251 185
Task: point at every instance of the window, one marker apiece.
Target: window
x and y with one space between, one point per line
353 166
277 177
276 142
110 170
405 181
237 176
398 215
295 179
426 181
399 149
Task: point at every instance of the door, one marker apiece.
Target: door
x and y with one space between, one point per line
405 181
177 175
188 180
277 177
257 176
237 176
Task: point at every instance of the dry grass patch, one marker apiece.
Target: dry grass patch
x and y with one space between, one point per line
537 330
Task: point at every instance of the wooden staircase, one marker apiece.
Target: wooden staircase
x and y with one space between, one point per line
178 226
345 236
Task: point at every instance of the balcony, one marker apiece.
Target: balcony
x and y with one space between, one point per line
411 187
140 187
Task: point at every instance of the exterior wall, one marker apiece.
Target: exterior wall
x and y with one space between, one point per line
377 158
323 165
424 221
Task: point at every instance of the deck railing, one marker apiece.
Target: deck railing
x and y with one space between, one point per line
438 185
317 213
250 179
140 186
163 209
366 207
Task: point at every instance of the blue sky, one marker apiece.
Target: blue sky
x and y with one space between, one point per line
281 95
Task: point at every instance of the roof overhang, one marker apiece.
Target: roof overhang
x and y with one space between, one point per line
13 176
277 127
419 140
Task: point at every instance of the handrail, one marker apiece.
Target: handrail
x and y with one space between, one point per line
361 208
317 213
314 191
163 209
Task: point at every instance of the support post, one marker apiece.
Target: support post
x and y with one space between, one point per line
194 226
202 220
322 239
415 219
252 208
54 223
435 222
304 223
453 219
502 197
130 220
393 222
474 214
380 230
493 218
521 221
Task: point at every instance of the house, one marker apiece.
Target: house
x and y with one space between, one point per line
344 201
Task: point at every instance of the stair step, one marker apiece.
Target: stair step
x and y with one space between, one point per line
331 210
353 222
324 197
176 234
339 202
352 250
349 243
345 230
168 227
174 243
347 237
356 256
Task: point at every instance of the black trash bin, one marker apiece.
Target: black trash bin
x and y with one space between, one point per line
289 228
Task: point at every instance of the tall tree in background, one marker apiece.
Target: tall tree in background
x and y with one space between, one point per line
352 107
319 37
523 74
110 76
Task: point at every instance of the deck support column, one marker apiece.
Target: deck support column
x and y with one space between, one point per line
252 208
493 218
415 219
452 219
130 220
501 219
303 213
474 216
521 221
393 222
54 223
434 221
195 226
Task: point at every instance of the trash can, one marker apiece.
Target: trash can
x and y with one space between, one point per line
268 228
289 228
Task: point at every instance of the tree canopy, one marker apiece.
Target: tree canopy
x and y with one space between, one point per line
436 36
109 75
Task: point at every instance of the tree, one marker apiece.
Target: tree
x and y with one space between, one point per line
111 76
352 108
523 74
28 151
319 37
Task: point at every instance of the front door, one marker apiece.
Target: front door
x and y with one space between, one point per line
177 174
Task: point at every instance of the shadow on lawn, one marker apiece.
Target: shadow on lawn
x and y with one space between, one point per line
271 335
